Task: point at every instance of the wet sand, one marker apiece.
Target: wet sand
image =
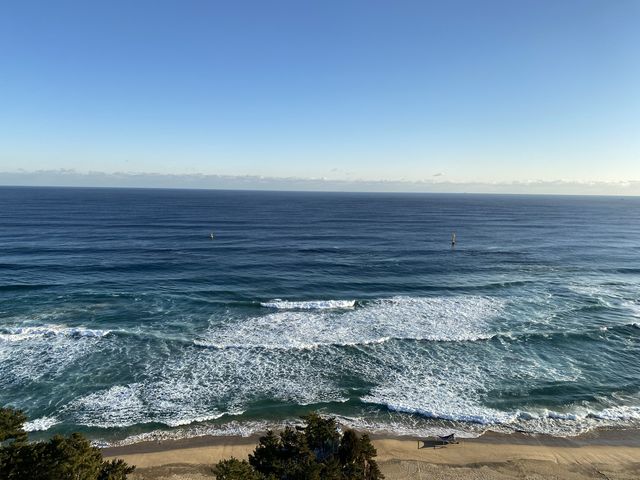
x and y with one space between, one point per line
601 455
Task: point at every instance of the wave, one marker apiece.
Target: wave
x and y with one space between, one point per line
248 428
405 425
476 386
196 385
631 270
586 333
607 297
483 418
458 318
51 349
635 309
229 429
41 424
540 421
137 403
300 346
402 421
460 285
309 305
15 334
436 319
24 286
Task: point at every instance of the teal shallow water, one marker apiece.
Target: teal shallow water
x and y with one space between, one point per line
120 316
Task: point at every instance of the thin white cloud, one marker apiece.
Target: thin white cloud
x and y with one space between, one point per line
65 177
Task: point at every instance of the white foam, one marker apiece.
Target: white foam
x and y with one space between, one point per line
40 424
228 429
249 428
621 412
451 405
610 297
455 389
437 383
16 334
463 318
456 384
50 348
564 423
309 305
592 290
126 405
405 426
635 309
197 385
570 423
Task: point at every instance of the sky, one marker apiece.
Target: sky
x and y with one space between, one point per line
347 95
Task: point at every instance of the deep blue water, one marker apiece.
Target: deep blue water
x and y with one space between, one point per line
119 315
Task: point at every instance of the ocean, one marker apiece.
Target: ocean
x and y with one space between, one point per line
121 317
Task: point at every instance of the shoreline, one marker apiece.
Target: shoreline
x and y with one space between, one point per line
603 454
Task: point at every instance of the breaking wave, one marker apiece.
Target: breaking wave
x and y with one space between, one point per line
50 348
41 424
461 318
15 334
309 305
540 421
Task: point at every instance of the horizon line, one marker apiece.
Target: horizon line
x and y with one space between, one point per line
363 192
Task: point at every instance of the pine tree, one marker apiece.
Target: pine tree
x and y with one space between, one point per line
313 452
234 469
61 458
357 458
115 470
266 456
368 452
322 436
11 425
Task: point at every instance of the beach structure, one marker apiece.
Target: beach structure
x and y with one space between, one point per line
438 441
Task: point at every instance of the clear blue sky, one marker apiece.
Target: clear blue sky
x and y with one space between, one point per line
458 91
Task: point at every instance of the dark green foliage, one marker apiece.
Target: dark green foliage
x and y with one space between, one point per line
357 457
367 454
234 469
115 470
61 458
11 422
285 457
322 435
331 469
316 451
70 458
299 461
266 456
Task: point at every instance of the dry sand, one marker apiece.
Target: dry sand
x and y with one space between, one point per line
605 455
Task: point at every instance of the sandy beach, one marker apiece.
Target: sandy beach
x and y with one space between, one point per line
602 455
